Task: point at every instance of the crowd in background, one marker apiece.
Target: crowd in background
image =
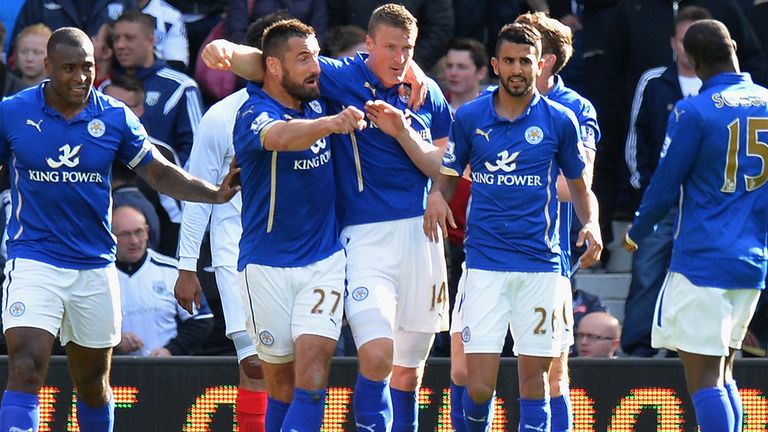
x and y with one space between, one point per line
146 54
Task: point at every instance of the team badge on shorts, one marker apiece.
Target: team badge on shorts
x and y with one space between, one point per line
96 128
534 135
315 105
266 338
17 309
360 294
466 334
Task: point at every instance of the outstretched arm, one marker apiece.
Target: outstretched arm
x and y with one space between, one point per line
301 134
167 178
243 60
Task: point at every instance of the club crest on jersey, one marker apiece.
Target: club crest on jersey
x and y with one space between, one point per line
360 294
159 287
315 105
266 338
17 309
152 98
450 152
466 334
404 92
534 135
96 128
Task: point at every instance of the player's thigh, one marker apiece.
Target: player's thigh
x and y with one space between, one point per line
92 313
485 312
228 283
537 317
270 293
319 304
34 294
371 299
421 283
701 320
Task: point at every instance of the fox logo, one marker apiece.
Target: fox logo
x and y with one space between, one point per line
68 157
506 162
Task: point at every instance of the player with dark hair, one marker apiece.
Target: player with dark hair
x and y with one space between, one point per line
516 143
714 164
397 301
59 140
291 261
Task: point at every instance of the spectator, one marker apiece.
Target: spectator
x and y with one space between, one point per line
87 15
466 68
103 54
435 20
31 52
173 104
171 42
9 83
657 92
597 335
242 12
345 41
153 322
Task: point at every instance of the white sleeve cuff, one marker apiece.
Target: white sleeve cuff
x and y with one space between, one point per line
188 263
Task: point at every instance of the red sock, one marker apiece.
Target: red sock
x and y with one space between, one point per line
250 406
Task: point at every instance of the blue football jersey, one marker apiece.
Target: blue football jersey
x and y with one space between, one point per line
60 176
590 134
376 179
512 218
715 155
289 217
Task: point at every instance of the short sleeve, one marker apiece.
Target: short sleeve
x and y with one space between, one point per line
135 148
253 122
457 151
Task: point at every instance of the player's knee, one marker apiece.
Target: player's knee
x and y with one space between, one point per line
26 373
375 359
480 392
406 379
251 367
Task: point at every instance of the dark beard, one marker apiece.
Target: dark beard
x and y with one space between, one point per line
298 91
527 89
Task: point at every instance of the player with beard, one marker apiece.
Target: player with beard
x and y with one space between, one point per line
516 142
291 260
397 300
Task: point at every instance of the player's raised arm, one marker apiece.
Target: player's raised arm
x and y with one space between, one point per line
165 177
243 60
